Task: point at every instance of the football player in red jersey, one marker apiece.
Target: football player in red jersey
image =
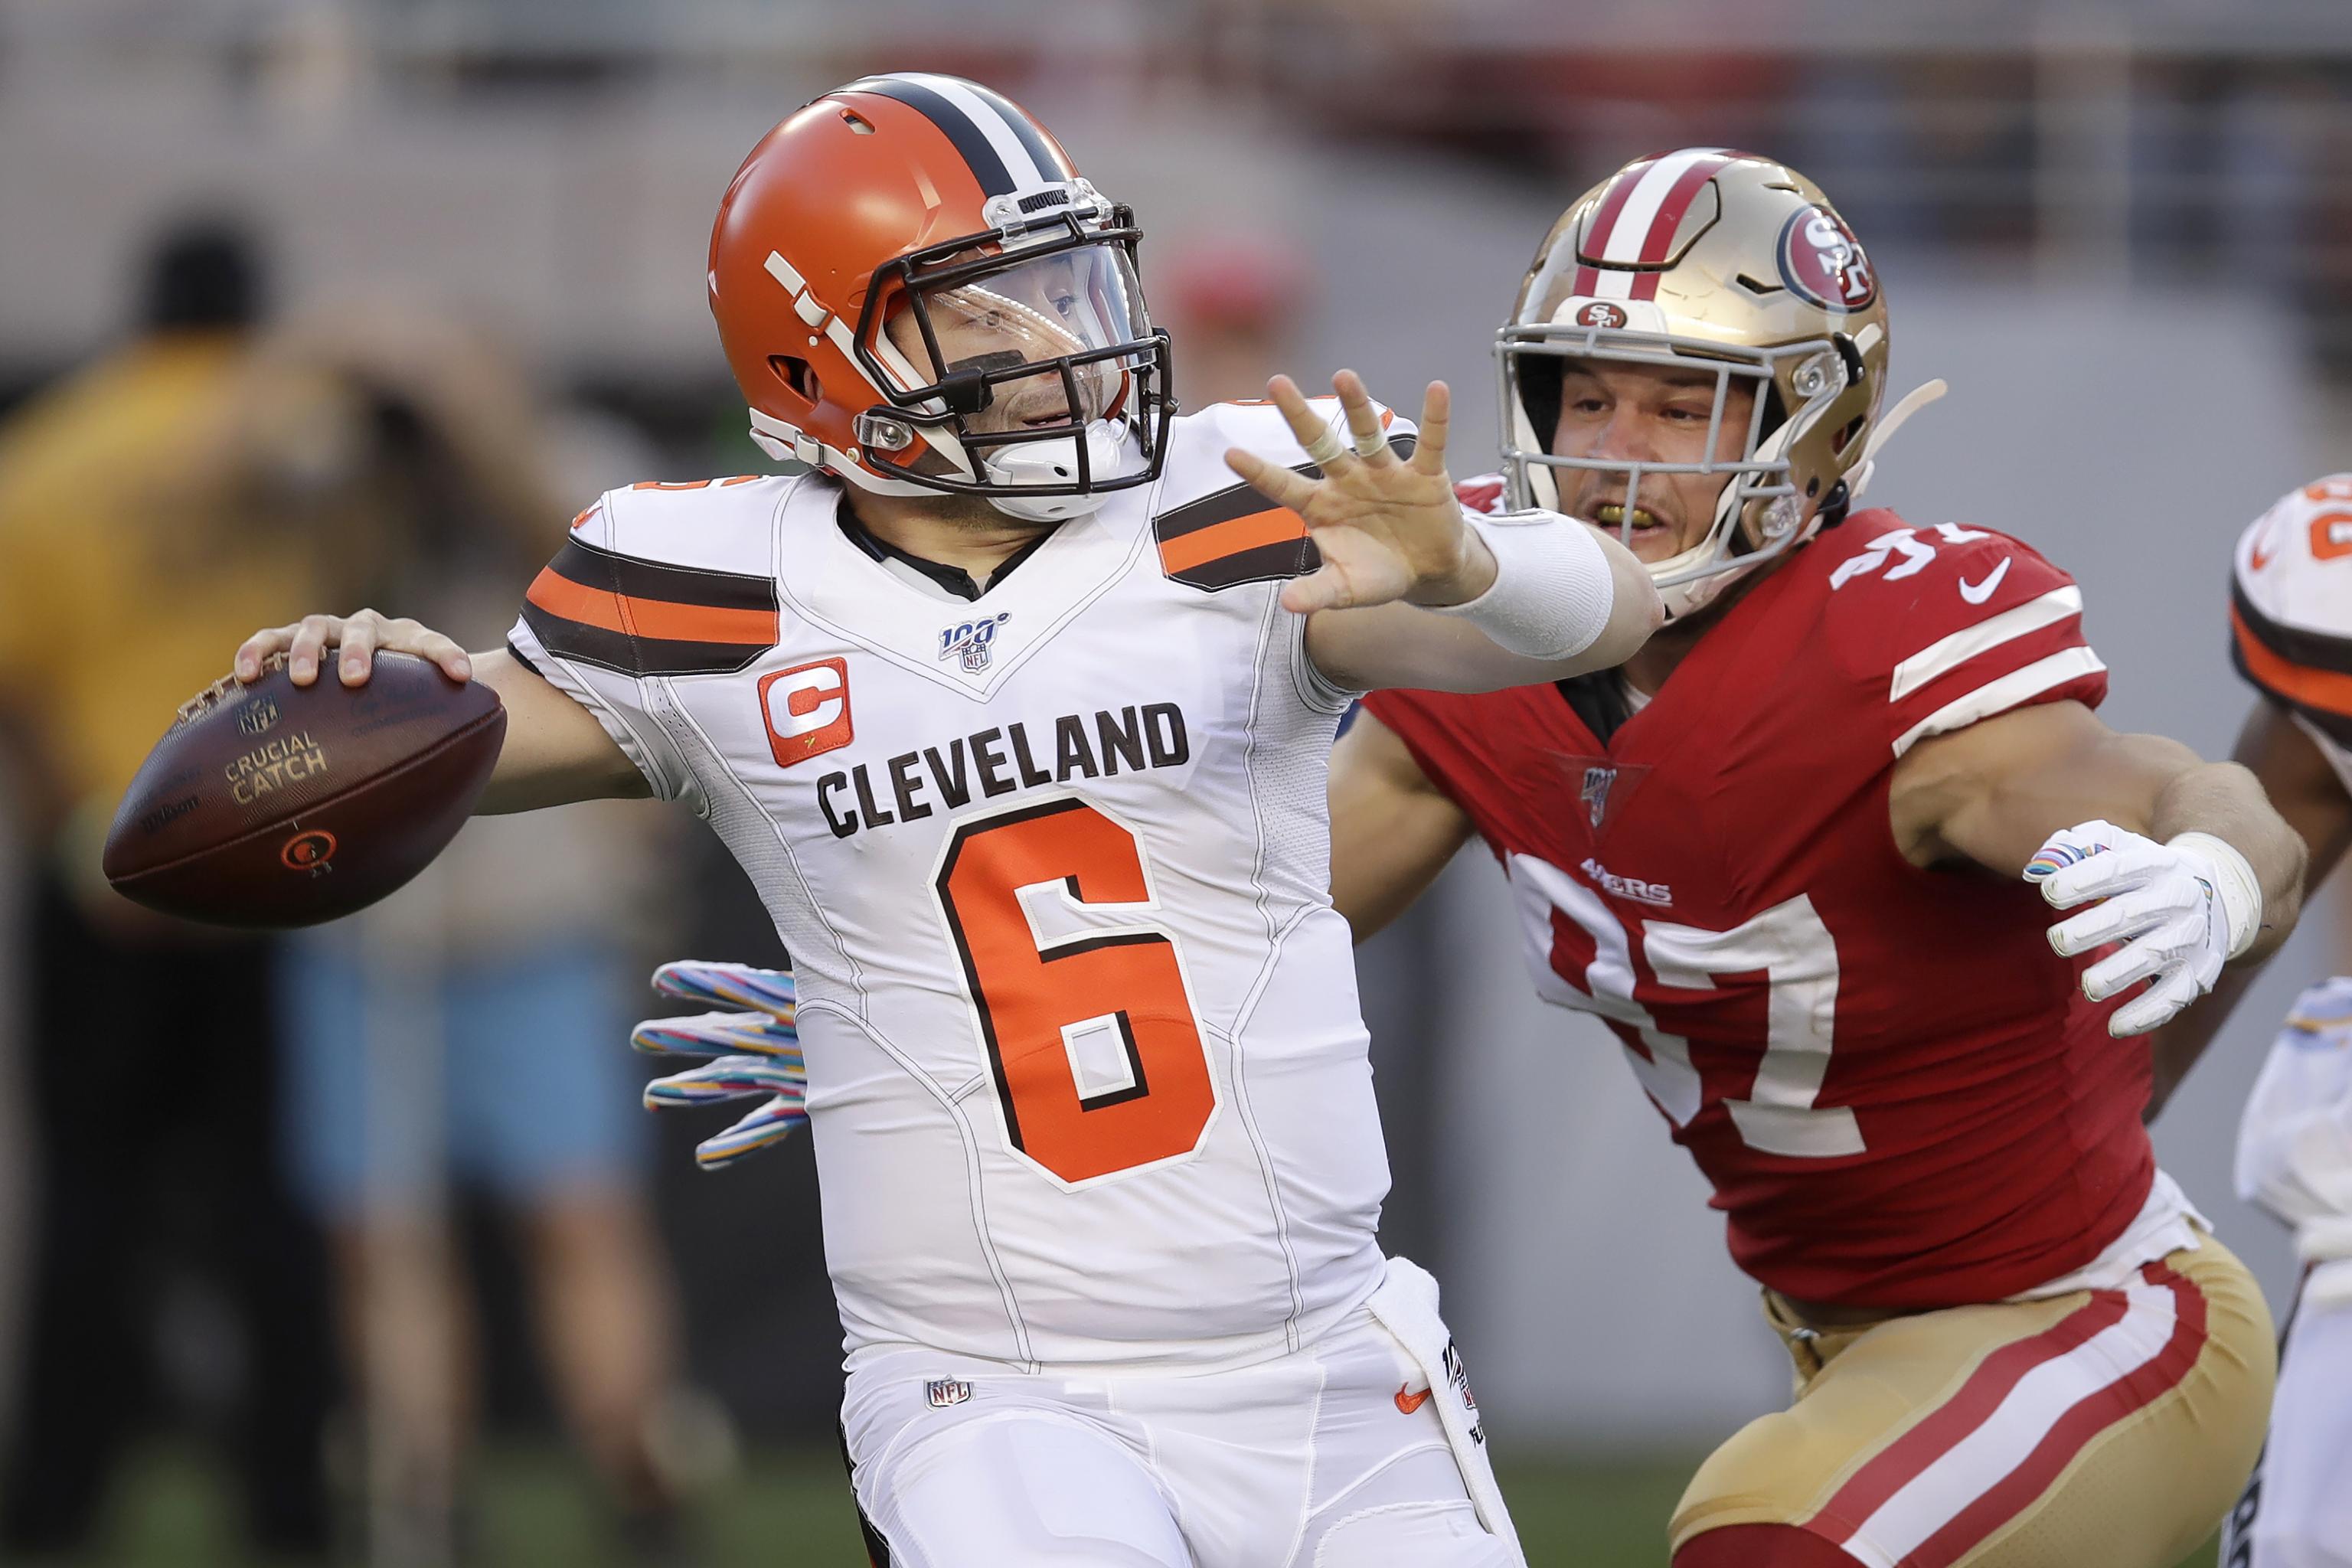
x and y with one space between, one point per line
1796 855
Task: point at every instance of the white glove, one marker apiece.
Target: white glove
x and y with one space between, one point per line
2183 908
2294 1143
758 1052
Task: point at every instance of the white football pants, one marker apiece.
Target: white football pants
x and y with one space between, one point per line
2298 1510
1333 1457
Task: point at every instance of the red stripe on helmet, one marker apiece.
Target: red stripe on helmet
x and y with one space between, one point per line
1604 216
1659 242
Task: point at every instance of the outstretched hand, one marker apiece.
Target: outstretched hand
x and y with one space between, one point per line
757 1052
1387 528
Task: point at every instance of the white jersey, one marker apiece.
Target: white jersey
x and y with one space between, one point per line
1086 1074
2291 611
2294 1159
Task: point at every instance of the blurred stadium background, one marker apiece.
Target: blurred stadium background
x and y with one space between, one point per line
247 1234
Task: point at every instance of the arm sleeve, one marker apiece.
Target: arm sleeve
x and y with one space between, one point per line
1981 626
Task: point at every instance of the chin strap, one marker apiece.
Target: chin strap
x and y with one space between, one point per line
1918 397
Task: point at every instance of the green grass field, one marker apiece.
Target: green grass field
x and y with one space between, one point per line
788 1509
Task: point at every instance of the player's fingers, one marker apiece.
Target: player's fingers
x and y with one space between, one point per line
1323 589
770 1124
261 646
2153 1010
311 637
2102 874
729 1078
407 635
357 654
1279 485
711 1034
734 984
2119 971
1307 428
1436 419
2113 921
2080 862
1363 418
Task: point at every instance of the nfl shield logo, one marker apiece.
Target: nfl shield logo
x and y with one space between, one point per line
946 1391
1597 781
971 642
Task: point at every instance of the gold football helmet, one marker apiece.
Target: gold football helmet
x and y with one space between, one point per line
1736 266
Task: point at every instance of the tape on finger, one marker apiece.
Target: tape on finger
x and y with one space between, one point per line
1326 450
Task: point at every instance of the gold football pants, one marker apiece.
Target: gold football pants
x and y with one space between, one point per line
2096 1429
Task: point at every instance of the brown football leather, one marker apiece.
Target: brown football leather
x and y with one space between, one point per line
274 804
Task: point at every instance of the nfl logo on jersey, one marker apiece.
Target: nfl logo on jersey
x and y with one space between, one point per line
946 1391
1596 793
972 639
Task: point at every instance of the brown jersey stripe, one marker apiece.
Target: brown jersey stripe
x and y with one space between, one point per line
582 643
1274 525
1237 500
648 617
1266 564
634 578
653 619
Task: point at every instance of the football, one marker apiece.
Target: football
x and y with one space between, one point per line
276 804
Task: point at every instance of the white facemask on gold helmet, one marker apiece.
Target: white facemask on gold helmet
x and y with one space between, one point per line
1736 267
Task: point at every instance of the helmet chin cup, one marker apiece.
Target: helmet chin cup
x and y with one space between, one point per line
1033 464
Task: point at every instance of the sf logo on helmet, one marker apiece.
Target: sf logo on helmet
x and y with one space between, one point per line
1822 261
1600 313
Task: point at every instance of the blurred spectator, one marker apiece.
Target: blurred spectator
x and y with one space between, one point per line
1233 302
511 963
132 558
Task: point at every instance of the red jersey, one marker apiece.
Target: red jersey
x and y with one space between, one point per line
1899 1094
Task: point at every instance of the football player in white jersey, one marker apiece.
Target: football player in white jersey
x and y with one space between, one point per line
2291 637
1017 711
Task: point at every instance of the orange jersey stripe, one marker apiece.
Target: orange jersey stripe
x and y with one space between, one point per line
1248 532
651 619
2322 689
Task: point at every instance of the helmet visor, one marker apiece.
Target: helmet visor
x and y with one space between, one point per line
1019 341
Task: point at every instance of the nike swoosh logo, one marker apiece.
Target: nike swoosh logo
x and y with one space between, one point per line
2258 557
1977 593
1409 1402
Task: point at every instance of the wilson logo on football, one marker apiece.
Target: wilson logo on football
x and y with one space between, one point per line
807 710
308 851
1822 261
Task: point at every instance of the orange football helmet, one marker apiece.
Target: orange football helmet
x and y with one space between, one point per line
918 291
1736 266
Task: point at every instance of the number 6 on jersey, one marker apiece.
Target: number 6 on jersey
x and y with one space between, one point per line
1098 1062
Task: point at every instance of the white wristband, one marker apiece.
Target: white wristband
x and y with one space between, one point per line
2234 884
1552 591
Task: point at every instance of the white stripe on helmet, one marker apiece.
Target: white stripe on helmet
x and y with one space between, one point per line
1623 242
992 123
